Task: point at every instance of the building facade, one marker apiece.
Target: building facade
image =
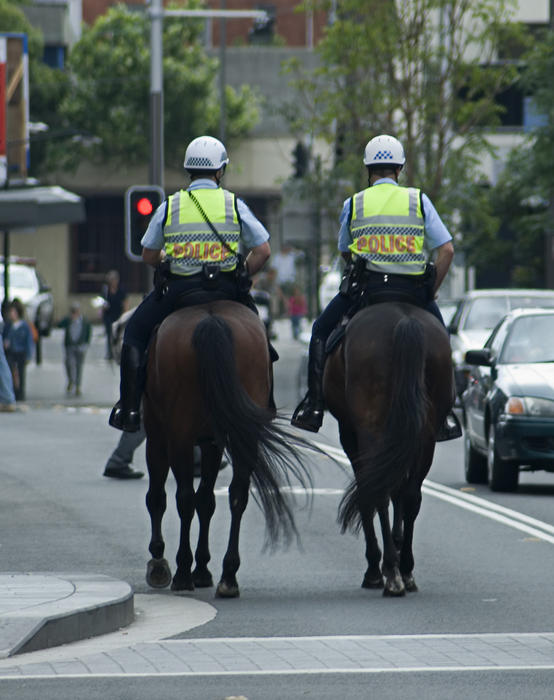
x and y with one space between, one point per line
260 164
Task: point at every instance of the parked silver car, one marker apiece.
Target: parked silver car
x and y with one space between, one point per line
478 313
26 283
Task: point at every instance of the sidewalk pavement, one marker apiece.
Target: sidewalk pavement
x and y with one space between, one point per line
40 610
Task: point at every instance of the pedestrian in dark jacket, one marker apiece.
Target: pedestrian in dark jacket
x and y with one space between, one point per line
76 341
19 346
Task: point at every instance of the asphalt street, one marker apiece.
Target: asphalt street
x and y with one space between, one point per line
481 625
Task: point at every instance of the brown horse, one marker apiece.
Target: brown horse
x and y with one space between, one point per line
208 384
389 385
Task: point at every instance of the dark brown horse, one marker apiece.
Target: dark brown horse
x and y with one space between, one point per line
389 385
208 383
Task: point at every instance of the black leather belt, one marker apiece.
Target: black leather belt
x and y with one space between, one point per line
387 278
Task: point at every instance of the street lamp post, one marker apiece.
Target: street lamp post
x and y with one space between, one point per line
157 15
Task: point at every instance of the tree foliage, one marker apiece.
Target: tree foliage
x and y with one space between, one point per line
517 207
109 100
423 70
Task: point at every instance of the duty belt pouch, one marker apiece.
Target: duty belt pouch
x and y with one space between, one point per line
210 277
430 278
352 280
161 274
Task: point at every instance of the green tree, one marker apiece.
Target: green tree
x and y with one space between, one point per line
423 70
517 206
109 71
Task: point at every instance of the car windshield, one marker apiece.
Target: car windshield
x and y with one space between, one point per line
486 312
531 339
20 276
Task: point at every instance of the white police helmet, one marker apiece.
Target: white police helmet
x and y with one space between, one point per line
205 153
384 150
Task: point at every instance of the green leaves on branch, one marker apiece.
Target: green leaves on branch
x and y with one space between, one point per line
414 69
109 99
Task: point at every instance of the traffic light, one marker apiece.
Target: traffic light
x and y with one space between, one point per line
301 162
141 201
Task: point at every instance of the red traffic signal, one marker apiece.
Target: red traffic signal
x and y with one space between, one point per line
145 206
141 201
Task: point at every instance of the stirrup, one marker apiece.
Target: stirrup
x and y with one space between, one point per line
128 421
450 429
308 415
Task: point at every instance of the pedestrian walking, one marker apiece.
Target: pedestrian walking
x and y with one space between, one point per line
298 308
115 303
119 462
76 341
7 395
19 346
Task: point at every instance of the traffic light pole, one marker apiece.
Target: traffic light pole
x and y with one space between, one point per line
156 172
157 14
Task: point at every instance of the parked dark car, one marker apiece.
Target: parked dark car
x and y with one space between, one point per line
478 313
508 406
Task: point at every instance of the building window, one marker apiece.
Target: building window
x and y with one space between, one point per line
54 56
98 245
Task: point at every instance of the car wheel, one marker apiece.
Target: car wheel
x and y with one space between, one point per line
503 474
475 464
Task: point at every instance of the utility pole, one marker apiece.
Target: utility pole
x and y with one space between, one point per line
157 15
156 171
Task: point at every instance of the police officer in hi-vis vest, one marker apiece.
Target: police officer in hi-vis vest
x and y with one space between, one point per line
385 232
194 236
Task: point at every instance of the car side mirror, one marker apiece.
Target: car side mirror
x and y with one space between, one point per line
482 357
44 288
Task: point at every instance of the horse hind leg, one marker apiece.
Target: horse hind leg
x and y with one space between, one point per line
183 470
394 584
373 577
238 499
412 501
158 573
205 508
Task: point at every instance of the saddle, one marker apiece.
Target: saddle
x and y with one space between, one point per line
369 298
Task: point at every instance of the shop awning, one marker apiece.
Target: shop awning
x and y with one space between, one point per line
39 206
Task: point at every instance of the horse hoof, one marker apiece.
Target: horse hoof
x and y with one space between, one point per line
158 573
410 584
374 583
394 589
202 578
182 582
224 590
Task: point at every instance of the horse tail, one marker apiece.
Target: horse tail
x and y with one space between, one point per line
390 458
259 449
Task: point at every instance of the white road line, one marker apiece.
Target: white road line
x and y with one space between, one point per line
282 672
488 509
506 516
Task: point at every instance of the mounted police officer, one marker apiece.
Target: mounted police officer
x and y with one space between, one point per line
193 242
385 231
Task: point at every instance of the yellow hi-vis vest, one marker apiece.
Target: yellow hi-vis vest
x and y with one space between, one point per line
387 229
188 239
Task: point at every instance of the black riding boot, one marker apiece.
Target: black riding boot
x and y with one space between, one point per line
450 429
309 413
125 414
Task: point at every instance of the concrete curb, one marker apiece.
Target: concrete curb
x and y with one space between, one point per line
41 610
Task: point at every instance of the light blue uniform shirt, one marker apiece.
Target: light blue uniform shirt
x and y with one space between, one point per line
253 232
436 233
